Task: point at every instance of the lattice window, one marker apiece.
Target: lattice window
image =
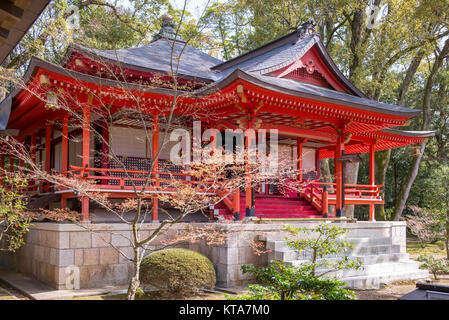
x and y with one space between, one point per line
142 164
301 74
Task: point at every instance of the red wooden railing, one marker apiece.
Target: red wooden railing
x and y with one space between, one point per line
104 177
322 194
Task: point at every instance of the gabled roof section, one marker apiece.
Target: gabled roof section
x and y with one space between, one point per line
285 52
157 57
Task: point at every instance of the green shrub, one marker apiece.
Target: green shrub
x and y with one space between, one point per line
280 281
179 271
283 282
436 266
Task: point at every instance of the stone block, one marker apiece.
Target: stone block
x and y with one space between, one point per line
247 256
92 276
79 257
64 258
214 255
232 240
108 256
46 254
39 253
49 239
80 240
121 239
91 256
229 255
120 273
64 240
60 277
221 271
101 239
124 254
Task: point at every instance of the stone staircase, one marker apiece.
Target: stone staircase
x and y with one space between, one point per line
382 262
273 206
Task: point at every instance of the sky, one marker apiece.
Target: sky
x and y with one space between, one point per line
196 7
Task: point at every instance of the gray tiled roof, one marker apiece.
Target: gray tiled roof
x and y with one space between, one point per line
275 59
195 63
251 66
157 56
330 94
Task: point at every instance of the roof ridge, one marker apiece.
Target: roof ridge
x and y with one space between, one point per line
292 36
311 41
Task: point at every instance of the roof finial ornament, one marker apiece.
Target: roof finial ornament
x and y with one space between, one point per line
307 28
167 29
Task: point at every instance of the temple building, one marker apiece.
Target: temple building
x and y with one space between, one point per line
290 84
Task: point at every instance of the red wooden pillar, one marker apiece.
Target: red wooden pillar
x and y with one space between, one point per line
105 149
21 166
299 144
86 157
33 152
11 165
372 178
325 203
250 194
338 167
236 204
65 153
33 147
11 168
154 151
65 145
48 138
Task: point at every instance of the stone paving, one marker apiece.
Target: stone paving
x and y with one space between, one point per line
37 290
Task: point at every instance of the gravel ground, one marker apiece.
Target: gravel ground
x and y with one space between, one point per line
394 290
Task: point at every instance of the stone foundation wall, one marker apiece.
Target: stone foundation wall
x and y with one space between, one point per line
52 247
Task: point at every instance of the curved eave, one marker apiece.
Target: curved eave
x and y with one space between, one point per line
388 138
37 64
15 32
344 100
411 134
73 48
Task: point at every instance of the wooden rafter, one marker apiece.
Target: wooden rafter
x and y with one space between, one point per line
10 9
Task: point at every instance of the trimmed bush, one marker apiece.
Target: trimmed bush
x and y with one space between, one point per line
179 271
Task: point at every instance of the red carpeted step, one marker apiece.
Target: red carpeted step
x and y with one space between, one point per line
275 206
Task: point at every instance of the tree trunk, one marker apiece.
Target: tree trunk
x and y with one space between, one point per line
447 235
381 159
134 283
408 182
427 118
326 176
325 172
351 176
